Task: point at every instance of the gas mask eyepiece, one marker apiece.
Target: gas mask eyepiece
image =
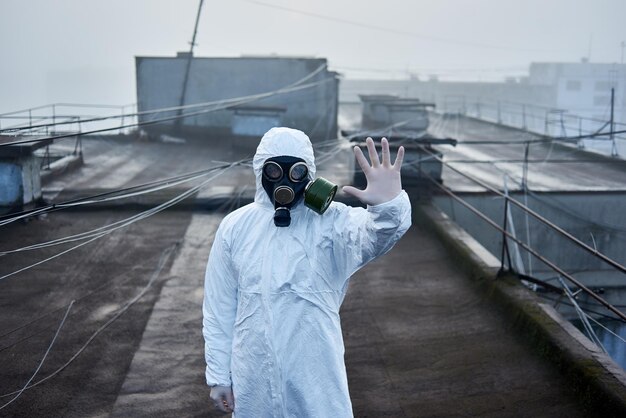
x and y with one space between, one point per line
286 180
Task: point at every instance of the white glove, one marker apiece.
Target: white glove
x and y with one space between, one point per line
223 399
383 180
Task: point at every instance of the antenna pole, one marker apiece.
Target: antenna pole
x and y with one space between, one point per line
612 124
188 67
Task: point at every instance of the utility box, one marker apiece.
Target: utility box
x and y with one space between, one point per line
20 178
404 122
384 111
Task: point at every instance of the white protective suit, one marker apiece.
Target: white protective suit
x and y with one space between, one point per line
272 295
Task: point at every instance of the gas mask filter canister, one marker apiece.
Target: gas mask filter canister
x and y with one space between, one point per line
286 180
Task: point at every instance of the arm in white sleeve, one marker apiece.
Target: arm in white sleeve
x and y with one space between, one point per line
219 310
365 234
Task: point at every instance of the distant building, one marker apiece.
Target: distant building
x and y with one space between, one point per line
543 101
295 92
392 112
583 88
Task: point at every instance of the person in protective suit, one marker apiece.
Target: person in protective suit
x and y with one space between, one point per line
277 275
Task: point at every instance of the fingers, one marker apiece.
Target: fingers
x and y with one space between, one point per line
223 399
223 404
219 405
375 162
399 159
231 401
386 158
371 149
360 158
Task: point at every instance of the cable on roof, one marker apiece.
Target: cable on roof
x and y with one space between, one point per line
164 257
171 118
229 204
103 231
56 334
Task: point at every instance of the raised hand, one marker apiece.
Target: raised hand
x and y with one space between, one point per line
383 180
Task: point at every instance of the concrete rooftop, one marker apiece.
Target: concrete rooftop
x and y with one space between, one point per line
552 167
421 340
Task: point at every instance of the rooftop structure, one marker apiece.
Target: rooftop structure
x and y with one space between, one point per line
560 99
244 96
20 183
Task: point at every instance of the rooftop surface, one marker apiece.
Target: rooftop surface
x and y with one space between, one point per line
551 166
420 340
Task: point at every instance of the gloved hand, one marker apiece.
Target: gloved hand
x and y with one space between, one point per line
223 399
383 180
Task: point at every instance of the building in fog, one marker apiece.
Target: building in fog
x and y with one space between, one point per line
582 88
544 100
249 95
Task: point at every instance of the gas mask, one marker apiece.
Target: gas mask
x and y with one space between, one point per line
286 180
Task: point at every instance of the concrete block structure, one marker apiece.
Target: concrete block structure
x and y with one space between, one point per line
20 180
404 114
305 95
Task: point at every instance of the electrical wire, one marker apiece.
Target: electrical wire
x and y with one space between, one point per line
525 246
171 118
180 116
105 230
543 139
535 195
56 334
101 197
476 101
555 205
124 222
51 312
159 185
228 205
521 161
605 328
108 229
433 155
583 316
560 230
164 257
589 310
387 29
168 109
93 232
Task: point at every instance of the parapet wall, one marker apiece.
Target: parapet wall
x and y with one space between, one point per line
599 383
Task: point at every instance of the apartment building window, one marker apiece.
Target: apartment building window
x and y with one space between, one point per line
603 86
601 100
573 85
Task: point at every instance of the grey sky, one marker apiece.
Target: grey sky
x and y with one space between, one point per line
82 50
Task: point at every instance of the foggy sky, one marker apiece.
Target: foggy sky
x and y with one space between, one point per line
83 50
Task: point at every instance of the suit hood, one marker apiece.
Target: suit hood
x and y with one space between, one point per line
281 142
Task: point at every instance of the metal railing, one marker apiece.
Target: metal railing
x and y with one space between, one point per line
508 235
542 120
65 118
